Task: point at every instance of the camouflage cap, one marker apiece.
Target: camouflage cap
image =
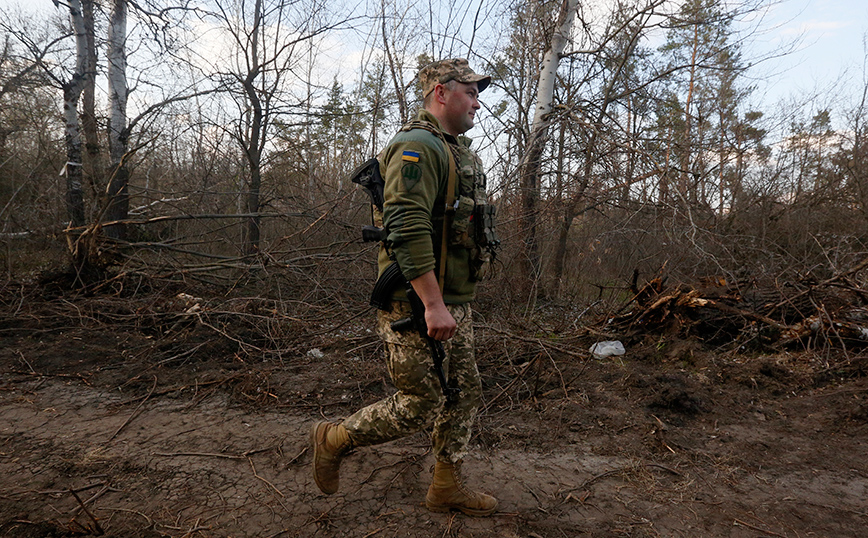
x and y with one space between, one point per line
445 70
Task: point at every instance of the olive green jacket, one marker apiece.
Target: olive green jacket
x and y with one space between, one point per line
416 171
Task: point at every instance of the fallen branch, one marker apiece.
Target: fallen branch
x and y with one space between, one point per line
132 416
539 341
840 276
739 312
758 529
97 529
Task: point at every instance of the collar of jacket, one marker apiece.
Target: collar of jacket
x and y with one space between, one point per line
461 140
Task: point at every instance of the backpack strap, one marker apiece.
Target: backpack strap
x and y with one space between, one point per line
449 213
450 192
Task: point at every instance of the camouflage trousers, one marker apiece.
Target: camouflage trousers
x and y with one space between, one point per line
419 402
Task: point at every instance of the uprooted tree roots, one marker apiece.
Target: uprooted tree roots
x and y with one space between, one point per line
833 312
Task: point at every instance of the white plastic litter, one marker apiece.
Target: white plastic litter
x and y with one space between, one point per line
608 348
315 353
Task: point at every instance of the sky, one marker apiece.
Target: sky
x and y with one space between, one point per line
830 53
829 59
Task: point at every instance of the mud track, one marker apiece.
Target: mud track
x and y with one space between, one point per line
117 427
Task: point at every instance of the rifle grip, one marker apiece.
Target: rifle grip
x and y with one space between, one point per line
402 325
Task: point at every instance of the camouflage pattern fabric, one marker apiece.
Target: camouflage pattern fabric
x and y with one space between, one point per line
443 71
419 403
413 214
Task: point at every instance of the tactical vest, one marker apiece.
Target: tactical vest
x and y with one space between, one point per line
473 223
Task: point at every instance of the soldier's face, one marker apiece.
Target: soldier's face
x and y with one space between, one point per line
460 106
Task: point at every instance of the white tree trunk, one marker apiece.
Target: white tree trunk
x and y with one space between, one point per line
117 78
118 201
71 94
548 72
531 161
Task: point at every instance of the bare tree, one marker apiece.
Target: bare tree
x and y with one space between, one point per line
530 167
117 192
89 124
71 93
266 48
610 71
71 82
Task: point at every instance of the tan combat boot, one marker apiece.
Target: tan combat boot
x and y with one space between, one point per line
330 443
448 492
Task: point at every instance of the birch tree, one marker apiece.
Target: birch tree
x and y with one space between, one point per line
530 166
72 89
43 50
93 165
117 193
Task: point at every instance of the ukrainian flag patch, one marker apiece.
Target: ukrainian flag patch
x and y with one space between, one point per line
410 156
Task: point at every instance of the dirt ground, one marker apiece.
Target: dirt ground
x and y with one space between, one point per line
138 417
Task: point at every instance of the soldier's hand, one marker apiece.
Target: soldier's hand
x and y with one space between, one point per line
441 324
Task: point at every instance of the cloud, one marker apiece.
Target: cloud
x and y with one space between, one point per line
813 27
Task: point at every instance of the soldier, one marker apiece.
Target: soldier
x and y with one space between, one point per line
416 167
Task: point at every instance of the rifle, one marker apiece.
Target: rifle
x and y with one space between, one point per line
368 177
381 298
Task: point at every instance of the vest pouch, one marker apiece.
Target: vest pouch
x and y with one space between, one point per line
462 233
485 226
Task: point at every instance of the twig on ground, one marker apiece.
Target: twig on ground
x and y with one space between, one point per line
173 389
149 520
620 470
758 529
199 454
253 467
195 529
136 412
164 361
80 377
97 529
448 528
297 456
95 496
539 341
413 459
23 359
509 385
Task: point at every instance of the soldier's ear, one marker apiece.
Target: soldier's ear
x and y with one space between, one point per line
440 93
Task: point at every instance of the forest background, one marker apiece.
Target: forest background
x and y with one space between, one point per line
207 141
184 287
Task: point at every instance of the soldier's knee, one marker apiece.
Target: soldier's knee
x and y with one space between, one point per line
430 404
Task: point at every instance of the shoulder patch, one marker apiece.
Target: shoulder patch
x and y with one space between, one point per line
411 174
410 156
